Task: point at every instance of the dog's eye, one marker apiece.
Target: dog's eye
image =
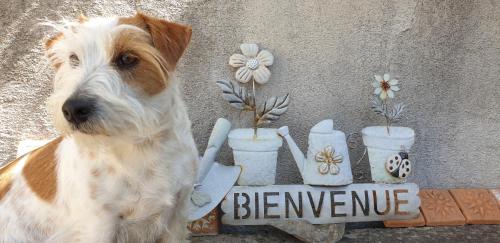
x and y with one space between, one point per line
73 60
126 60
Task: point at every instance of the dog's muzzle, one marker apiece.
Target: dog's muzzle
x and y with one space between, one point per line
78 110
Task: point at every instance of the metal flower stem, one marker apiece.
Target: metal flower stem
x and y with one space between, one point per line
254 109
387 119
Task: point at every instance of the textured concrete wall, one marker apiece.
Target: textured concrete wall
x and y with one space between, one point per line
446 54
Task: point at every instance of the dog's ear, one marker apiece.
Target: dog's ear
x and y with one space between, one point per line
171 39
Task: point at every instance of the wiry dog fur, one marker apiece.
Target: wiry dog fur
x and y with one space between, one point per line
124 173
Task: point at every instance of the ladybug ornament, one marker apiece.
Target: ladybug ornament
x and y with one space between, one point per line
398 165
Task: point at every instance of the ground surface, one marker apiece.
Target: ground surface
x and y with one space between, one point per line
468 233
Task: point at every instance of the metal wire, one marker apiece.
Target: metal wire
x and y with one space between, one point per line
353 141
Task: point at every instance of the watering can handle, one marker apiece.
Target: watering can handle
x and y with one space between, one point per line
283 131
217 138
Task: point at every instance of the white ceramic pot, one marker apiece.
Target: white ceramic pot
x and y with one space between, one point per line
257 155
381 145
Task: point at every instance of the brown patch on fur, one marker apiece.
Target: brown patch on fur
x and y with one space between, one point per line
40 170
91 155
110 169
82 18
48 45
171 39
57 65
149 173
5 185
108 207
95 172
52 40
93 191
6 176
127 213
150 73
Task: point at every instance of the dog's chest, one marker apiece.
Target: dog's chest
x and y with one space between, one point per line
132 196
137 191
135 187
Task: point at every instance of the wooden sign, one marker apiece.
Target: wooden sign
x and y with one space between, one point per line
254 205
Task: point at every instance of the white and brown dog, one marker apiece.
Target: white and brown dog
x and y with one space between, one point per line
126 161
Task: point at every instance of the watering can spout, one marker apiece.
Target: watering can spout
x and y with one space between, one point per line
297 154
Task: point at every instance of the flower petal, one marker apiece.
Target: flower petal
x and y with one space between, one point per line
393 82
378 78
319 157
383 95
244 74
249 50
395 88
377 91
265 57
334 169
329 149
376 84
390 93
387 77
238 60
323 168
262 74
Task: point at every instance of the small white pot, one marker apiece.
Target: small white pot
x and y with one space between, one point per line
381 145
257 156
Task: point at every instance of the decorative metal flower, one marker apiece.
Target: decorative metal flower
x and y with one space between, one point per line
329 161
385 87
252 64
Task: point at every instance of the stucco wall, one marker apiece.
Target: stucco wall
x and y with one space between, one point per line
445 53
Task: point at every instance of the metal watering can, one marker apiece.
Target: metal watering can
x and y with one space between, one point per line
327 162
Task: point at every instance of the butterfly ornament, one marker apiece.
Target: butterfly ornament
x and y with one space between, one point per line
398 165
328 161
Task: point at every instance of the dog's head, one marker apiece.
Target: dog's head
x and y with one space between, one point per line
113 76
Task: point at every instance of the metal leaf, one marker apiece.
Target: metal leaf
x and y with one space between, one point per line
272 109
377 106
236 95
397 112
200 198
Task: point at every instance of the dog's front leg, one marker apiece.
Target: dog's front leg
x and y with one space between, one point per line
94 228
176 228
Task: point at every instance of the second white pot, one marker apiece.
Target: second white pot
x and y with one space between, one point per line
381 145
257 155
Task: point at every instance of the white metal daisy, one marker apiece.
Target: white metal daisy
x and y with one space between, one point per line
252 64
385 86
328 160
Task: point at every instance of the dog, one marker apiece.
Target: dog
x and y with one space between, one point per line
125 163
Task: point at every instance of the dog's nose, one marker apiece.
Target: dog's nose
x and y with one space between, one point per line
78 111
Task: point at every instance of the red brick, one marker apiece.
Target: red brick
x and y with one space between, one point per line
439 208
478 205
496 194
419 221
